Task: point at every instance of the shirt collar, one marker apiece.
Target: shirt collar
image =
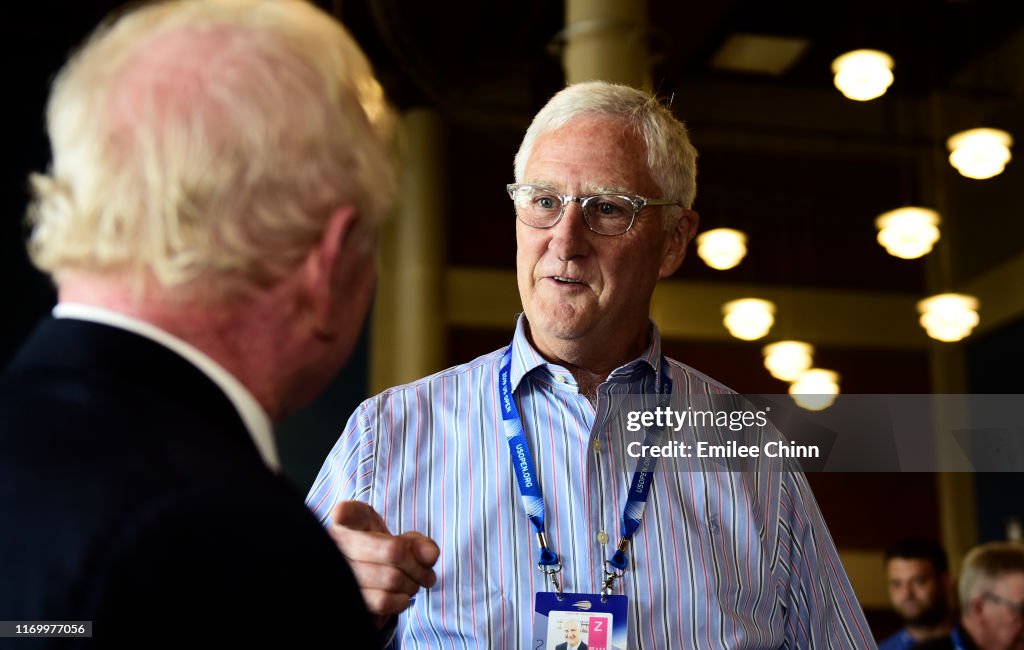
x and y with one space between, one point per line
526 359
249 410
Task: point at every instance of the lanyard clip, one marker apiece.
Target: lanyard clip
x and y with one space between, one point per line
549 564
551 577
617 565
609 580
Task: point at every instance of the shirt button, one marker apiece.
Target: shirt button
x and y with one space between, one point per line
597 445
602 538
560 379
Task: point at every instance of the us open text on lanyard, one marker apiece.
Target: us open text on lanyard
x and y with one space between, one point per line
533 499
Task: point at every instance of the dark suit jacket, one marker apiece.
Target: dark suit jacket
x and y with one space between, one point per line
565 646
131 495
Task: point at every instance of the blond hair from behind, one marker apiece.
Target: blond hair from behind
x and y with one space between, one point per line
206 142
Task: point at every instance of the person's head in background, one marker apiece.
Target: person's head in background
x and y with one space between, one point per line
991 590
917 575
219 170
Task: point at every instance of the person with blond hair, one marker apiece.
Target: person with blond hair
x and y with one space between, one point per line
220 169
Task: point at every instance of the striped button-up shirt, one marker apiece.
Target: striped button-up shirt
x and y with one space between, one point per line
722 559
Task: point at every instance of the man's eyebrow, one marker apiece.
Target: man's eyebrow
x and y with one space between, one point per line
591 190
542 185
609 189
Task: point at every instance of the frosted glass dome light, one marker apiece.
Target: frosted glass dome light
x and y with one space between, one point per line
787 360
749 318
949 317
863 75
909 232
722 248
980 153
816 389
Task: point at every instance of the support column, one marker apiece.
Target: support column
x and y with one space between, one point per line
957 512
607 40
409 327
958 518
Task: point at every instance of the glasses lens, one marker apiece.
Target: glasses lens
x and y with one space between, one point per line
537 207
609 214
1015 607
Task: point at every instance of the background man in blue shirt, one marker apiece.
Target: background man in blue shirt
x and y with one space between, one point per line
919 585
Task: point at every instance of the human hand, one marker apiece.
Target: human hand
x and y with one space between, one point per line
390 569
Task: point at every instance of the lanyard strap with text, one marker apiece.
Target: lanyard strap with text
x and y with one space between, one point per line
529 484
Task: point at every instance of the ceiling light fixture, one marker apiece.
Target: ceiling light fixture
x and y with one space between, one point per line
949 317
722 248
816 389
787 360
863 75
909 232
749 318
980 153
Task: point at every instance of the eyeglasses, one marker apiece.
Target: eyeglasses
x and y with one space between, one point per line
605 214
1015 607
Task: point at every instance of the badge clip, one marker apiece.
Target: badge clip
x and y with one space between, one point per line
609 579
551 577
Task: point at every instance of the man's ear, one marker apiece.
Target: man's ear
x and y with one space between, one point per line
677 241
976 604
321 265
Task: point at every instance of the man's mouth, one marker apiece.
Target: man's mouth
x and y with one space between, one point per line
565 280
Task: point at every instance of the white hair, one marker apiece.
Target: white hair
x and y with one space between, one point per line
986 564
671 158
208 142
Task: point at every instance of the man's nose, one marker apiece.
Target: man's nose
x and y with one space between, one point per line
570 236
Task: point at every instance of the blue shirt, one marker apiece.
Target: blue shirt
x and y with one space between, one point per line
899 641
721 559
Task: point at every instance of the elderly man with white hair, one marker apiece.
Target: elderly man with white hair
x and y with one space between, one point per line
219 172
510 462
991 590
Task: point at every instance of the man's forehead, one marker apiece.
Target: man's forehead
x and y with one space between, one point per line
910 566
590 155
596 135
1012 583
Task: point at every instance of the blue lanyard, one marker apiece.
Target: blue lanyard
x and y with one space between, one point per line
529 483
522 461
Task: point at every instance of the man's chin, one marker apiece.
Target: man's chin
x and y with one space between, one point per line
926 618
563 322
559 333
910 614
